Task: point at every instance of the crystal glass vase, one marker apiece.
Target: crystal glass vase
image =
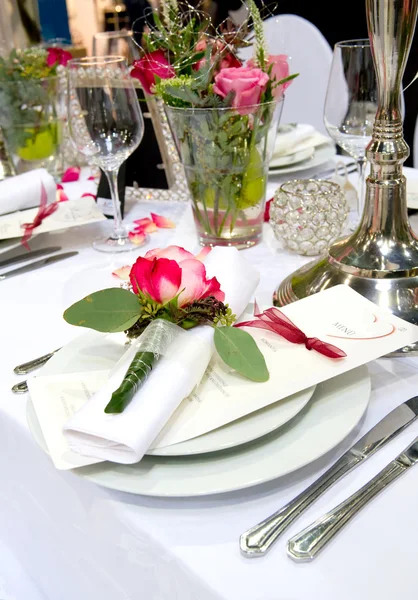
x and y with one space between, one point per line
226 153
31 118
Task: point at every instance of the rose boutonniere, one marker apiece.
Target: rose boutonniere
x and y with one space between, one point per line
170 286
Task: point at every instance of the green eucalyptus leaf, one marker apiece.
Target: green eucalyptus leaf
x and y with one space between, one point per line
240 352
110 310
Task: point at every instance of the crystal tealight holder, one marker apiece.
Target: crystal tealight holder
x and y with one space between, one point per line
308 214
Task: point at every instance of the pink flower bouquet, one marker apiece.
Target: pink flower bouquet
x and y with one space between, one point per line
223 114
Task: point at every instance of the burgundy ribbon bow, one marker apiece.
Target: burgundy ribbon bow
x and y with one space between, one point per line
274 320
43 212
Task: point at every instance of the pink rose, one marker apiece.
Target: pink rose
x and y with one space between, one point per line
248 85
164 273
154 63
57 55
279 71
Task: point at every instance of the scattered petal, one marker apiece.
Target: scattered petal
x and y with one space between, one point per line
143 222
203 253
162 222
71 174
59 186
61 196
150 228
123 272
91 178
88 194
137 238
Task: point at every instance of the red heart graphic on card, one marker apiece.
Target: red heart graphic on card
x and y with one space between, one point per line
368 327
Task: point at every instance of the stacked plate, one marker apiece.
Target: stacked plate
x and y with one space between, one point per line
300 147
257 448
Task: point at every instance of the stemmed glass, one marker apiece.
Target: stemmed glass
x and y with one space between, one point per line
106 126
351 105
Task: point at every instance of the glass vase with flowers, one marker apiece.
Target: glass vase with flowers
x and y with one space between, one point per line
223 115
31 114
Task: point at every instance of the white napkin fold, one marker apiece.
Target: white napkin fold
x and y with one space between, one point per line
298 138
24 190
125 437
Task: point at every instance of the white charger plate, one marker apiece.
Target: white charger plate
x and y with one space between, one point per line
335 409
322 154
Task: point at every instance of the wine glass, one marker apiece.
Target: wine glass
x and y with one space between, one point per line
106 126
351 105
119 42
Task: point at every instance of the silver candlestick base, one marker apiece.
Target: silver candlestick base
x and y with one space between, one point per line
380 259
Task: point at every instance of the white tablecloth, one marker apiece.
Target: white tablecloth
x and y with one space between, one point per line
75 540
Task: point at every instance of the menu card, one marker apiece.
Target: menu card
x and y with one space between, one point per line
71 213
339 316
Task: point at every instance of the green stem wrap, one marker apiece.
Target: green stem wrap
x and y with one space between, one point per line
135 377
153 344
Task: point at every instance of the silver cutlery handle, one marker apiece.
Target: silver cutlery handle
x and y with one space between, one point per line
20 388
305 545
31 365
259 539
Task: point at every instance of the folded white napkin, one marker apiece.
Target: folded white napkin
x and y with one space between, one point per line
296 139
24 191
125 437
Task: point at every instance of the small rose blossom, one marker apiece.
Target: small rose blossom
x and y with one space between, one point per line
248 85
228 59
279 71
154 63
57 56
162 278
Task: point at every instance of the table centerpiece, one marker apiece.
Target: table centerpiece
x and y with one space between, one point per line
223 115
31 114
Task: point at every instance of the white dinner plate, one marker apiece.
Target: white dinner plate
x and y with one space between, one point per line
335 409
322 154
292 159
241 431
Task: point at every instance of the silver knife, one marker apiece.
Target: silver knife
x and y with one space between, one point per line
259 539
28 256
37 264
308 543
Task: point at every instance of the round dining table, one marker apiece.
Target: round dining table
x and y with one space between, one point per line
63 537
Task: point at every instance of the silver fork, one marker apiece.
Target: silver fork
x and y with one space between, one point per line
27 367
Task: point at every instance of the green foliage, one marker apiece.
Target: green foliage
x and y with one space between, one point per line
240 352
110 310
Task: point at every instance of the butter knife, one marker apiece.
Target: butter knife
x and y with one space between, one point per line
259 539
37 264
305 545
29 256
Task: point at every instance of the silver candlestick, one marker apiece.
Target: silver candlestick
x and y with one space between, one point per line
380 259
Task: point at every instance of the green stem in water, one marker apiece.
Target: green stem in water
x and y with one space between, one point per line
134 379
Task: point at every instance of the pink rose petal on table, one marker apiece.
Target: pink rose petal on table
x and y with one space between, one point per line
61 195
71 174
137 238
143 222
162 222
267 210
150 228
87 194
91 178
59 186
123 272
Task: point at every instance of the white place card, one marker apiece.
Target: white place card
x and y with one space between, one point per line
339 316
71 213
